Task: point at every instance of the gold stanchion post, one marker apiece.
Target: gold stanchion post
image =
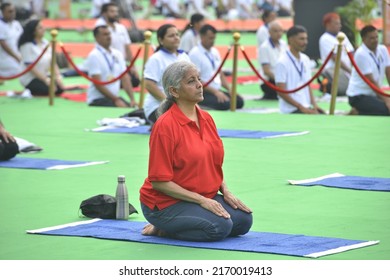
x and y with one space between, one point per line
147 35
52 85
233 97
335 83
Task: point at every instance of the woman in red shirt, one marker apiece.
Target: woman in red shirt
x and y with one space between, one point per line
179 198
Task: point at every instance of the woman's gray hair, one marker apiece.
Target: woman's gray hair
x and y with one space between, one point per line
172 77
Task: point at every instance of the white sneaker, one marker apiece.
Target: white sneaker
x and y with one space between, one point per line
26 94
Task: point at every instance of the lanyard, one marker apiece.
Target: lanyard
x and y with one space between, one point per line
377 62
300 71
109 64
211 59
272 43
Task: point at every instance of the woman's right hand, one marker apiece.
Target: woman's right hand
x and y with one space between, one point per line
215 207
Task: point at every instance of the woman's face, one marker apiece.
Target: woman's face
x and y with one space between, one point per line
39 30
171 40
191 88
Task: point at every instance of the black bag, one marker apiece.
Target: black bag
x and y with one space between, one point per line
102 206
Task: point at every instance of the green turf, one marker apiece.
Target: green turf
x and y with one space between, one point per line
255 170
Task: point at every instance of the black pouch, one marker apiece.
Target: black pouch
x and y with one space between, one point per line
102 206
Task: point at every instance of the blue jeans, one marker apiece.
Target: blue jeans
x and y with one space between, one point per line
189 221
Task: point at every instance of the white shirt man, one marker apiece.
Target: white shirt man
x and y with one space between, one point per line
268 55
327 42
106 63
207 59
262 33
120 39
293 70
96 7
373 60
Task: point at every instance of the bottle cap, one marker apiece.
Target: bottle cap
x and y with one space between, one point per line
121 178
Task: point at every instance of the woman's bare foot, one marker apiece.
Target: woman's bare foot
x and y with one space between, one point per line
150 229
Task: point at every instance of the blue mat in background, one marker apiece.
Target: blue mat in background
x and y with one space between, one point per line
232 133
46 164
337 180
259 242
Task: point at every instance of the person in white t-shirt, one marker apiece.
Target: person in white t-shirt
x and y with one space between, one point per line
190 36
206 57
172 9
283 8
10 31
373 60
198 7
268 55
10 57
120 38
105 63
327 42
262 33
293 70
247 9
166 53
31 44
97 6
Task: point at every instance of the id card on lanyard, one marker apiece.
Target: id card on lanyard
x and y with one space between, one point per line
299 68
110 61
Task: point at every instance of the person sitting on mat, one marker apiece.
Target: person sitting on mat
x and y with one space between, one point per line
10 31
268 54
120 38
180 198
190 35
293 70
166 53
104 64
8 146
31 44
374 62
206 57
328 41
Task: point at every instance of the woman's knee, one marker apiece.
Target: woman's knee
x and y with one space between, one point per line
242 225
220 229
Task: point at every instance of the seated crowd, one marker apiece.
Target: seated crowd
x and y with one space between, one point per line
285 67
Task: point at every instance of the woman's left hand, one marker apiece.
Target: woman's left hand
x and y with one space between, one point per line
234 202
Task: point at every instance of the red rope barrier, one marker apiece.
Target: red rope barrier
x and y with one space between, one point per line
30 66
282 90
98 82
219 68
365 79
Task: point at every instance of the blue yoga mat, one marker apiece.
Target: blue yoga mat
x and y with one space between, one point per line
337 180
232 133
259 242
46 164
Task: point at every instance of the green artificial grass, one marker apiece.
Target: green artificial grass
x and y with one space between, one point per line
256 170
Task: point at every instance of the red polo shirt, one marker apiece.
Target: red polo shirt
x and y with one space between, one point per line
185 154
